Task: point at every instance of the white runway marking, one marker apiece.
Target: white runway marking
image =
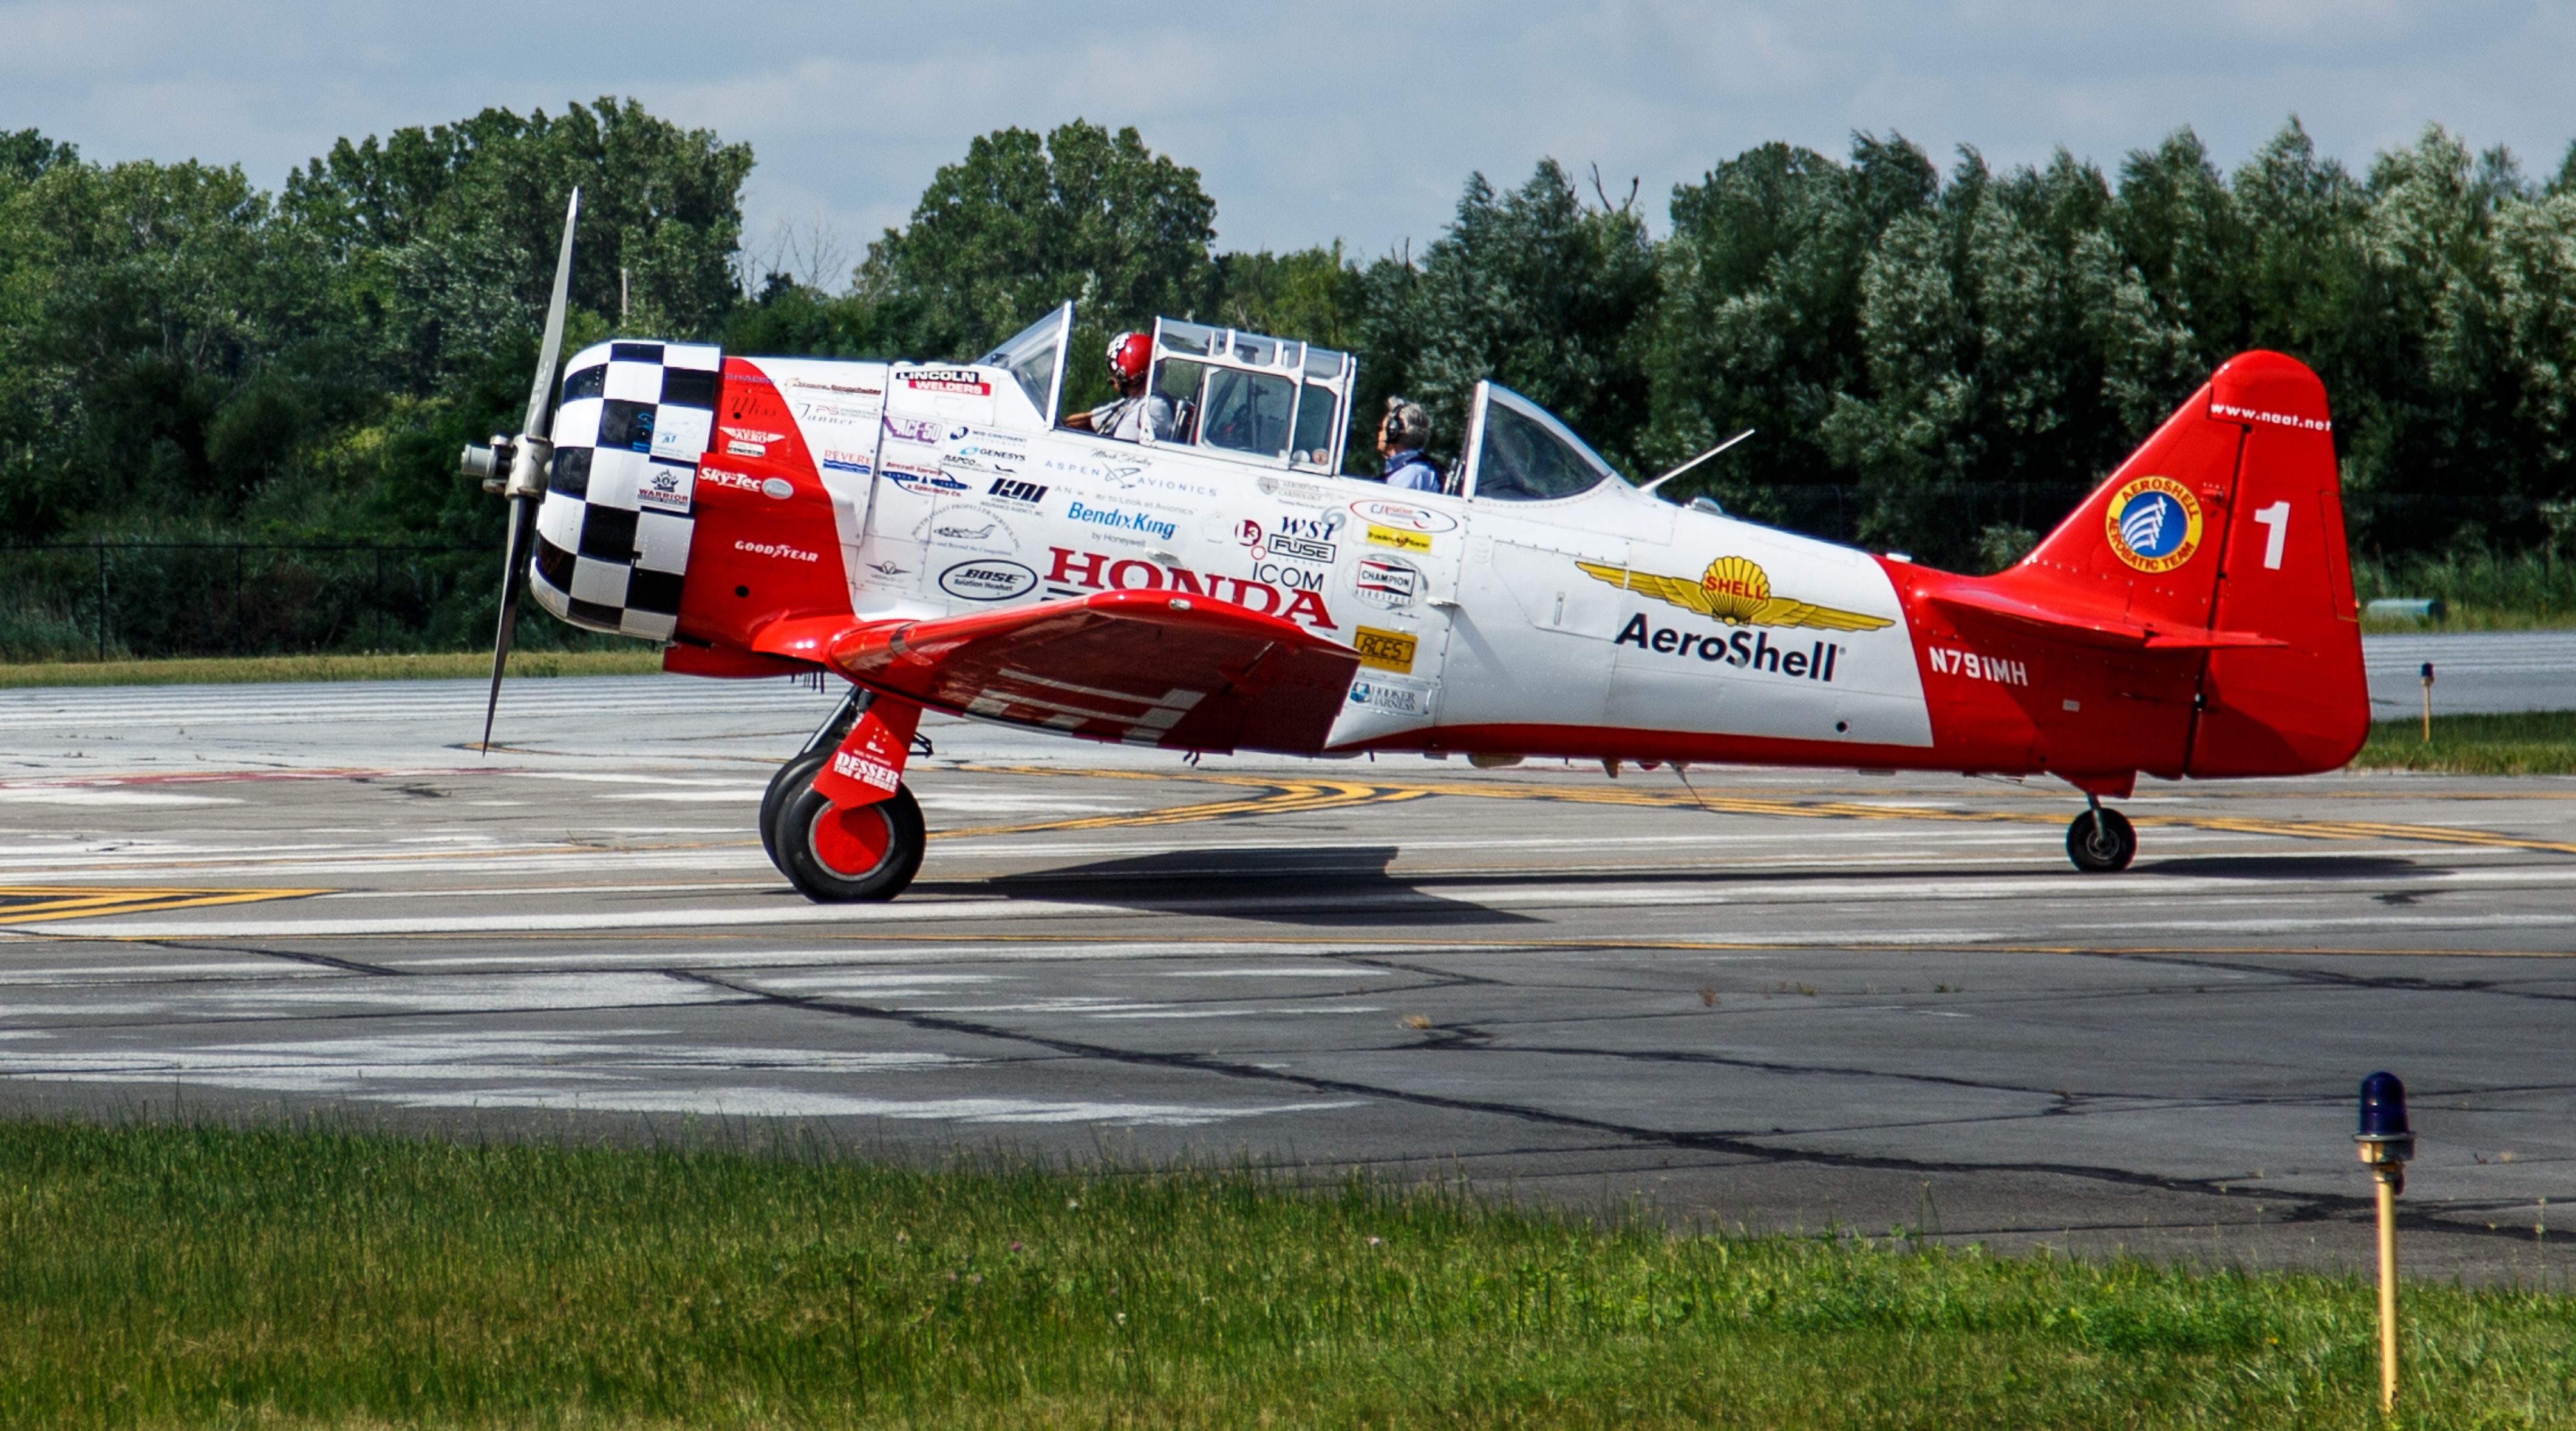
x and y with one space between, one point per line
93 795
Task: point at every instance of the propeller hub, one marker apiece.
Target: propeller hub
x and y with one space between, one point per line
529 458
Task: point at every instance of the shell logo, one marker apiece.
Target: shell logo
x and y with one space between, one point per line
1736 589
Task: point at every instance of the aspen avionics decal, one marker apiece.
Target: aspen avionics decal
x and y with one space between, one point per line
1736 592
2153 523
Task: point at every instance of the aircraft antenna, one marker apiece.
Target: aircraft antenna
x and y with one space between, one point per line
1650 487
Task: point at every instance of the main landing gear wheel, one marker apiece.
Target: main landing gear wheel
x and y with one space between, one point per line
2101 841
796 774
834 855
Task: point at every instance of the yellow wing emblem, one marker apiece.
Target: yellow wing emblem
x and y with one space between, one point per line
1736 592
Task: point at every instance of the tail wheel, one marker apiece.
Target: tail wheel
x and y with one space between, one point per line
2101 841
833 855
796 774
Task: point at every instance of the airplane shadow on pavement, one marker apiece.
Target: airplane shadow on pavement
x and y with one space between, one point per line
1349 885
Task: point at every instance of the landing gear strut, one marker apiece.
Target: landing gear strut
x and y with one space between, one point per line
831 854
2101 841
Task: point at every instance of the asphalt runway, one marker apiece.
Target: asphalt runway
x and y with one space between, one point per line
1767 998
2473 672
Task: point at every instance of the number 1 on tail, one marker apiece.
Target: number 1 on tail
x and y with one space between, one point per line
2276 524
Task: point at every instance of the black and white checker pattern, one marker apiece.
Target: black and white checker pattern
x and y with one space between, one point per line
613 532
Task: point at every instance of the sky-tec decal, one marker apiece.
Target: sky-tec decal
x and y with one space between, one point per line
1736 592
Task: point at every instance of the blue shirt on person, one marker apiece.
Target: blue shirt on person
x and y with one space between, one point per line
1411 471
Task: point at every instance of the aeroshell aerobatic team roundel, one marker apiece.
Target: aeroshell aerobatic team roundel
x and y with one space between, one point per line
1734 591
2153 523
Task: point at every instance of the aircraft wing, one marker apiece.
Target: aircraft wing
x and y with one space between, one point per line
2090 628
1141 667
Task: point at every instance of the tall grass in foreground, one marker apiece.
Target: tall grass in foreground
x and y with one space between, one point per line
2525 743
195 1276
632 660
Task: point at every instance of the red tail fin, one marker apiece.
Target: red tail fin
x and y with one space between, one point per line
2229 519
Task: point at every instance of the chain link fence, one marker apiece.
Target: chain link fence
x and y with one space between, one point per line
120 600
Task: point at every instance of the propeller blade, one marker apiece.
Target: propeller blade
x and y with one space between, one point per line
520 508
541 392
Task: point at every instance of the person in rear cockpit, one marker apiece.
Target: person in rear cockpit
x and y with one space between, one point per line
1400 440
1135 415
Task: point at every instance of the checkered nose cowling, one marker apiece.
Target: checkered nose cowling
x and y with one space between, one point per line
613 533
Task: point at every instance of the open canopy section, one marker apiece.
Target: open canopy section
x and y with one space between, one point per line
1518 452
1035 357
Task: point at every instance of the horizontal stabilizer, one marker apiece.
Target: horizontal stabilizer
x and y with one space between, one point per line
1140 667
2091 628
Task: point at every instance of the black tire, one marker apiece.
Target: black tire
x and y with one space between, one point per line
875 861
797 773
2101 842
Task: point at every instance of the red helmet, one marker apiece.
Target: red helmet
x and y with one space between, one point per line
1129 355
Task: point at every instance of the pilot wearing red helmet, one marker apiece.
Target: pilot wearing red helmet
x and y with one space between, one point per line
1135 415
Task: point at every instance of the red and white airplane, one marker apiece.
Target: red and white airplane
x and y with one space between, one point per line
933 534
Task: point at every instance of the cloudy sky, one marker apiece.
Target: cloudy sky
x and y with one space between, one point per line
1356 119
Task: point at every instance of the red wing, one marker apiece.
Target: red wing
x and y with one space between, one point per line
1143 667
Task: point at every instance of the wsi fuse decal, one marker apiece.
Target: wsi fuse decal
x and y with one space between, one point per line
1952 662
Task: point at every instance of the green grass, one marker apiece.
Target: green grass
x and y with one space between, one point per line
2529 743
172 1276
228 670
2522 591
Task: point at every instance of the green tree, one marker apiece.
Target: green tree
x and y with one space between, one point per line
1024 223
1545 294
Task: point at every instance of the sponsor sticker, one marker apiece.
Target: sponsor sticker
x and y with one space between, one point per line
1387 512
1392 697
778 488
857 766
778 550
2153 523
753 434
1016 492
912 429
737 447
1385 650
987 580
928 484
947 380
1302 548
1286 489
837 459
1389 583
1400 538
664 489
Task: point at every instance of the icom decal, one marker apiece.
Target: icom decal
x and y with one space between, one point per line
1389 583
1099 571
1734 591
987 580
1403 516
2153 523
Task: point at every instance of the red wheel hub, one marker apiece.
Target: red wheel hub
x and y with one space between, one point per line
852 843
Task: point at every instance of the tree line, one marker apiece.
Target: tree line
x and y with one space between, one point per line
186 356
